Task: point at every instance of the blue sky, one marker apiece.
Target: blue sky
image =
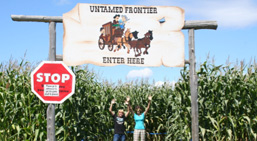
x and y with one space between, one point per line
235 38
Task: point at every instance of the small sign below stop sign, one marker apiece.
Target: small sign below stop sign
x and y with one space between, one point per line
53 82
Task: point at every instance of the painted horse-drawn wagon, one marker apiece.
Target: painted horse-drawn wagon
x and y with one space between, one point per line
112 34
109 36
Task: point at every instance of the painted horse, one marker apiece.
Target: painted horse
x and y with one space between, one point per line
124 41
144 42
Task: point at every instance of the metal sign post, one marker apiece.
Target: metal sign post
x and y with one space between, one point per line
191 25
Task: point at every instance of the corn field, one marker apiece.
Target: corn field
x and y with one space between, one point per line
226 96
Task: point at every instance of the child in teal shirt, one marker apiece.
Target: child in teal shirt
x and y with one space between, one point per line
139 118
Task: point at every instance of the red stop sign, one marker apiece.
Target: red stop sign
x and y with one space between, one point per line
53 82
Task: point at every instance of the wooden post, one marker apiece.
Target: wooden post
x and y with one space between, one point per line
51 122
193 86
52 40
51 107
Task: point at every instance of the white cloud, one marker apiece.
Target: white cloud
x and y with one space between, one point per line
160 83
228 13
143 73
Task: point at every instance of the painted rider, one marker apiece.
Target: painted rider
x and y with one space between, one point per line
115 22
123 21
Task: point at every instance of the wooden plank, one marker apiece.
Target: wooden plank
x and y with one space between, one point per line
200 25
24 18
58 19
58 57
187 62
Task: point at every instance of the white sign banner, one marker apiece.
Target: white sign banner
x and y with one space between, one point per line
109 35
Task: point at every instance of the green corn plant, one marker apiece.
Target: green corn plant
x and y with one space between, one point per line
226 98
21 113
225 95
